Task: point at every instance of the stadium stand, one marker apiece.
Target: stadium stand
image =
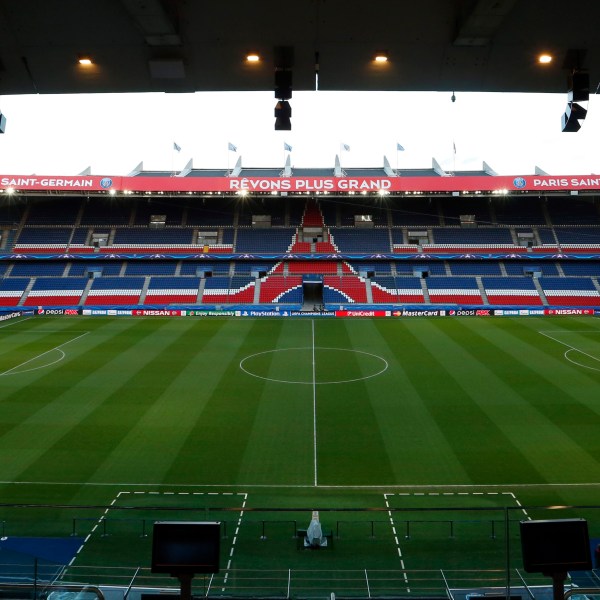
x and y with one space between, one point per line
172 290
454 290
276 289
115 290
50 291
511 290
68 242
570 291
11 291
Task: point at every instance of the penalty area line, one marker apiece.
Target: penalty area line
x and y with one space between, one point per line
573 348
9 371
15 321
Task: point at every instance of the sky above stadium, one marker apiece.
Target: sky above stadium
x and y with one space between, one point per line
513 133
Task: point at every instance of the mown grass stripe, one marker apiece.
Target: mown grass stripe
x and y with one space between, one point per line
75 429
352 449
213 450
419 449
520 396
456 398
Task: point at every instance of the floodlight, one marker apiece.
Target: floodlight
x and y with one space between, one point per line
85 60
545 59
579 91
573 114
381 57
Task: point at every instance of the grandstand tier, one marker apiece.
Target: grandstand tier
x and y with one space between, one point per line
348 250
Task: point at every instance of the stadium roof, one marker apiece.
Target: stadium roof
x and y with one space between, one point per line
178 45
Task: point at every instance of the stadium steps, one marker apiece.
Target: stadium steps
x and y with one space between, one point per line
540 291
256 299
559 268
200 291
536 236
26 291
79 215
596 283
513 235
123 269
493 215
481 289
369 291
86 291
426 298
184 216
144 289
9 270
178 269
111 236
447 268
546 214
502 269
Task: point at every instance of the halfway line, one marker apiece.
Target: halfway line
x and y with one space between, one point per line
314 386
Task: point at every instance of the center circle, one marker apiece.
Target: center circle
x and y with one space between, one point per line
313 366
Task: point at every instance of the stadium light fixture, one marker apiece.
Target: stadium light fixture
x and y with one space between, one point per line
10 191
381 57
579 91
284 62
253 57
85 60
283 116
545 58
112 192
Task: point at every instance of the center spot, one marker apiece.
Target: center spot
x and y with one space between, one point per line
313 366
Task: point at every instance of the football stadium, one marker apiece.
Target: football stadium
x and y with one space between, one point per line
299 382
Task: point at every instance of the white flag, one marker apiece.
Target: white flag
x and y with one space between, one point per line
399 147
287 147
231 147
176 147
346 147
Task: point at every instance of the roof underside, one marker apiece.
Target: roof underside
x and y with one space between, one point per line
184 45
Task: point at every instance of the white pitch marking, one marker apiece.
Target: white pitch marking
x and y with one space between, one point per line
314 386
15 321
550 337
8 372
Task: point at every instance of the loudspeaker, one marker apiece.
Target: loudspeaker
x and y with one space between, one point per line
283 84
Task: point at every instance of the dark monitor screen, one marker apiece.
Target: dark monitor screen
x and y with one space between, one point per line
186 547
555 546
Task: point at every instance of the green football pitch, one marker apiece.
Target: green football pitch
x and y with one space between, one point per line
419 441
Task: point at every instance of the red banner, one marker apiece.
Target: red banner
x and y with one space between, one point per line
362 313
356 185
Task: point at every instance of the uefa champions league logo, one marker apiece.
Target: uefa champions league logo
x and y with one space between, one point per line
519 182
106 182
